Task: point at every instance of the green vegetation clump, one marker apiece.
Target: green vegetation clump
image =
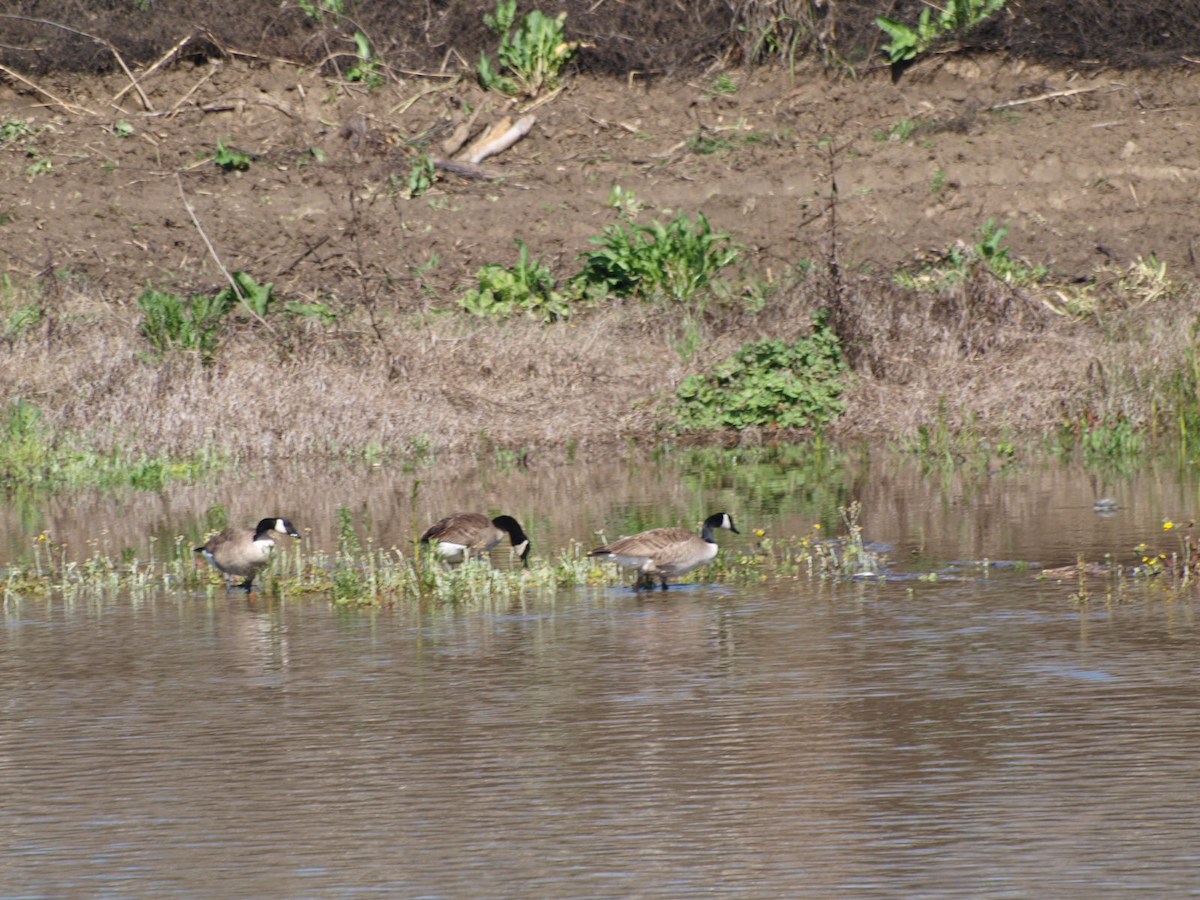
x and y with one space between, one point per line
230 159
525 287
34 456
170 322
675 261
367 69
12 130
769 383
533 54
956 17
987 252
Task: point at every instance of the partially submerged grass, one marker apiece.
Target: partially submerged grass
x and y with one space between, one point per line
359 574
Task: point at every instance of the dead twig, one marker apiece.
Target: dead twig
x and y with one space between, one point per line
99 40
498 143
1050 96
184 99
237 290
150 71
466 170
69 107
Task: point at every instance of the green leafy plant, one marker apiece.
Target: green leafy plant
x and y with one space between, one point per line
230 159
704 144
533 53
21 319
41 165
367 70
526 287
15 130
624 200
675 261
722 84
421 176
22 445
898 132
987 252
316 9
769 383
257 297
170 322
957 16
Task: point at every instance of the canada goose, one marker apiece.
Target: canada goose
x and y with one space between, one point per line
461 533
666 552
244 551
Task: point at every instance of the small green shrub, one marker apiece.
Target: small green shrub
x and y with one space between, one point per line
316 9
229 159
22 446
987 251
533 54
16 130
526 287
421 176
956 16
257 297
1109 440
21 319
171 323
769 383
367 70
722 84
675 261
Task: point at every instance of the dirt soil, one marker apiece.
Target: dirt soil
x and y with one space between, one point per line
1083 169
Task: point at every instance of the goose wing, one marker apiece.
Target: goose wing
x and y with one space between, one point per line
466 529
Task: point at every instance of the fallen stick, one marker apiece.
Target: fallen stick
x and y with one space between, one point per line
503 142
71 108
150 71
184 99
488 134
466 170
1049 96
112 48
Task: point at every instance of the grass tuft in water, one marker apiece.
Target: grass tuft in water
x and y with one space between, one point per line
360 574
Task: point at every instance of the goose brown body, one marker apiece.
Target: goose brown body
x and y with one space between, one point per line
243 552
460 534
665 552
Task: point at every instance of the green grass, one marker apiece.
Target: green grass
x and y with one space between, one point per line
33 456
361 574
676 261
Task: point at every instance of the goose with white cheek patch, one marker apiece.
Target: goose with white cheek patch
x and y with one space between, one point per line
461 534
243 552
664 553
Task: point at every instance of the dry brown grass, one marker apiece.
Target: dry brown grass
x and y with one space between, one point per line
456 383
981 354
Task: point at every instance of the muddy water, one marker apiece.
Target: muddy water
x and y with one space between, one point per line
957 738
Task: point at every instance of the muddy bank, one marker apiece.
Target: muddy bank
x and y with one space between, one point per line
1084 170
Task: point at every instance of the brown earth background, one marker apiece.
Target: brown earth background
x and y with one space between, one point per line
1073 125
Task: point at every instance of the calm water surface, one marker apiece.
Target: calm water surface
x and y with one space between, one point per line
960 738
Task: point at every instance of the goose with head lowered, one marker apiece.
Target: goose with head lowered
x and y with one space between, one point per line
461 534
665 552
243 552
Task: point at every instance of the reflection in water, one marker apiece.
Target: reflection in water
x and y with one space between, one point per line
1041 513
982 739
